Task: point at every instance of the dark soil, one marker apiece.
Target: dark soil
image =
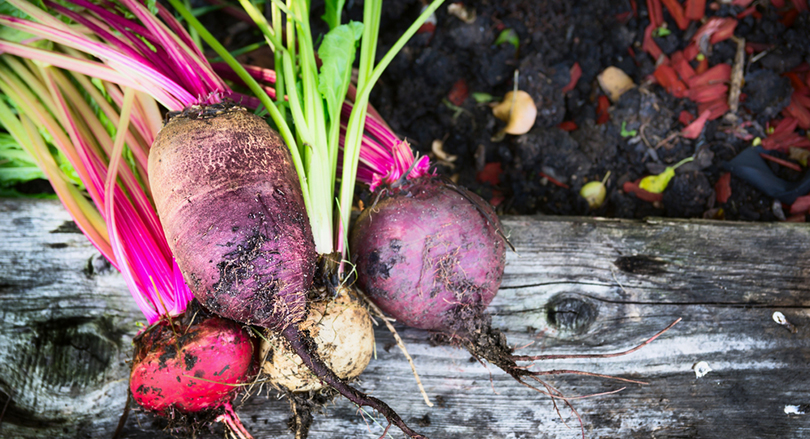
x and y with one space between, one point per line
554 34
543 170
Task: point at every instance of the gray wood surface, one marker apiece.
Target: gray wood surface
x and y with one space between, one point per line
575 285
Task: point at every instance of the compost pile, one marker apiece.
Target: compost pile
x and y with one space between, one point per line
437 90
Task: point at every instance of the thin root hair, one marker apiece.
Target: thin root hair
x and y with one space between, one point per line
610 355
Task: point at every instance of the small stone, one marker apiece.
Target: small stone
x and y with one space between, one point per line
701 368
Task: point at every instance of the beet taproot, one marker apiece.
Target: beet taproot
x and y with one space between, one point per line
231 207
427 250
431 254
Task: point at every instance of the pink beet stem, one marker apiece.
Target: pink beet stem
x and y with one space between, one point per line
232 421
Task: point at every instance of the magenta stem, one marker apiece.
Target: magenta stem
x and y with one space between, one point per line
232 421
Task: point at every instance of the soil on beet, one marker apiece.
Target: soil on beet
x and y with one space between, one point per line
427 95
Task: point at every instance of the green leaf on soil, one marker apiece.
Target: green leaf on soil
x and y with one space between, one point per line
483 98
508 36
661 32
628 133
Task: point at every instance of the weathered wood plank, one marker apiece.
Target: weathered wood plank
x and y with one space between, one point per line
575 285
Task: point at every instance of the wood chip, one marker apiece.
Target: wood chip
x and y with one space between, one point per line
737 73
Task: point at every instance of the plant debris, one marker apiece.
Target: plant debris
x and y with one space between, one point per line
518 110
719 81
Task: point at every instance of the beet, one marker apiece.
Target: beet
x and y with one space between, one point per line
233 213
231 206
427 251
431 254
190 367
342 329
341 326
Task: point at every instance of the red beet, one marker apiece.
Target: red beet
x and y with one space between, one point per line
231 206
190 368
431 254
428 251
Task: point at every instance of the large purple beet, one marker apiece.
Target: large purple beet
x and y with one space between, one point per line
232 210
427 251
234 216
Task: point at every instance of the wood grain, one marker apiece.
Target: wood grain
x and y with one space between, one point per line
575 285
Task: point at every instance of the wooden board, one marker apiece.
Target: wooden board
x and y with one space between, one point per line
575 285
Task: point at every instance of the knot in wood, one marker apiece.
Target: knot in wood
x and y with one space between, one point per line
570 313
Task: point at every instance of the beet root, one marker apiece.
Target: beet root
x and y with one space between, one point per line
342 329
190 368
428 250
431 254
231 206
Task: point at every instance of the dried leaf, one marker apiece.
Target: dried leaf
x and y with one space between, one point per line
708 93
677 12
464 13
682 66
459 92
650 46
576 73
695 9
438 150
655 12
691 52
490 174
602 114
716 75
667 77
718 107
715 30
799 154
799 111
685 117
615 82
693 130
723 188
633 187
518 110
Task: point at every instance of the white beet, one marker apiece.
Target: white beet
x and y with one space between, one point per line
343 332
